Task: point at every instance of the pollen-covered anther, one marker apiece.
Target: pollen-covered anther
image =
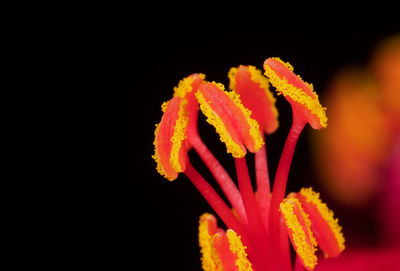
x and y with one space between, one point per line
325 227
239 250
299 231
253 88
188 84
169 150
207 229
304 100
187 88
225 111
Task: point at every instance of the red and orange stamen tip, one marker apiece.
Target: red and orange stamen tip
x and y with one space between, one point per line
231 251
187 88
220 250
325 227
188 85
239 250
304 100
207 229
222 247
231 119
255 94
298 227
169 150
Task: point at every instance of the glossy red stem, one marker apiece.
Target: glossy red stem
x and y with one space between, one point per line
263 185
258 235
221 176
212 197
281 177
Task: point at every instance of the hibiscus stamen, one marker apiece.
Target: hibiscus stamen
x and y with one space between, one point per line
325 227
169 150
257 234
260 223
299 229
255 94
306 109
187 89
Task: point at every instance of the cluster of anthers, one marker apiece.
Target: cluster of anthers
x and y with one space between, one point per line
260 224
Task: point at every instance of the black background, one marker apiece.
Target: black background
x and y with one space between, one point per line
129 215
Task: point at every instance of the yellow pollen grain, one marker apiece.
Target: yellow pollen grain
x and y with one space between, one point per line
304 249
164 106
232 78
326 213
209 257
156 156
237 248
179 135
184 86
232 147
296 94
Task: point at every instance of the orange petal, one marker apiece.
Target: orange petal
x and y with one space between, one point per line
231 119
324 226
170 133
299 231
300 95
255 94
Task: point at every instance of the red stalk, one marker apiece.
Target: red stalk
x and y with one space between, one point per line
284 247
263 185
282 172
257 234
221 176
212 197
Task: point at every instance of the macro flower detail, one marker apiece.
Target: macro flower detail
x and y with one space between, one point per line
259 222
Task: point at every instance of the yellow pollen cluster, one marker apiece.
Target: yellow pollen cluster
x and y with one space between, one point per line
305 250
286 64
209 259
232 78
326 213
238 249
155 156
257 77
184 86
179 136
298 95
